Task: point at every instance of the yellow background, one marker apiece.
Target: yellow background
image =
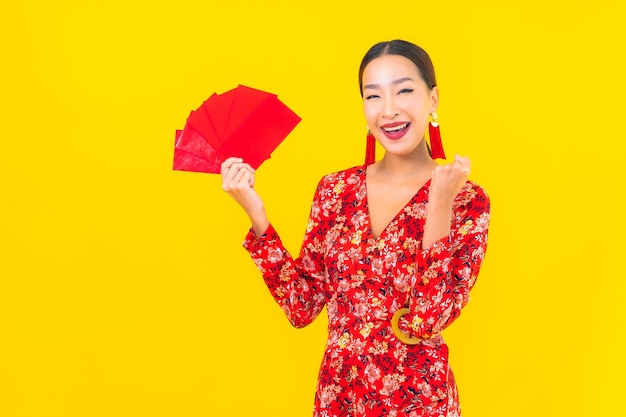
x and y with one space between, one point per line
124 290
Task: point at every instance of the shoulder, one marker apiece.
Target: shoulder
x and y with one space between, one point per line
344 179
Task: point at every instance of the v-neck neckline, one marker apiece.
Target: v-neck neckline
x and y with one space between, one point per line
394 218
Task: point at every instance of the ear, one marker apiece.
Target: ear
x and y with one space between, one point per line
434 98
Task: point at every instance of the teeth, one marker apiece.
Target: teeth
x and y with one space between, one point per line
396 128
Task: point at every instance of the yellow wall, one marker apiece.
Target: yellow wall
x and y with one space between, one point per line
123 287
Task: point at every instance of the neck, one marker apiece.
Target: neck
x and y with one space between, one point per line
416 164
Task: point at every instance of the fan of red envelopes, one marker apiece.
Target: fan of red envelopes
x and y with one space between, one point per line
243 122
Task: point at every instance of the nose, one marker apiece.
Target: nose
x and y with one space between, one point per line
390 109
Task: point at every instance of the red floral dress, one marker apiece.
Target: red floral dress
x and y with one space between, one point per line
363 280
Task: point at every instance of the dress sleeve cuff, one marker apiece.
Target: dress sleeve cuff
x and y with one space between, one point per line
433 257
252 243
437 250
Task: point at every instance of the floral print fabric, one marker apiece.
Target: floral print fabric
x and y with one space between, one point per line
363 280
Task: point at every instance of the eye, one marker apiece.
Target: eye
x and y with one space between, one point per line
371 97
405 91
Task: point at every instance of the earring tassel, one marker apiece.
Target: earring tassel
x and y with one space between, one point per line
370 150
436 147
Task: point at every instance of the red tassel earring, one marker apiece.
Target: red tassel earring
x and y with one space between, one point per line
370 149
436 147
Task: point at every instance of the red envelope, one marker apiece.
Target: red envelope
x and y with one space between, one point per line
243 122
185 161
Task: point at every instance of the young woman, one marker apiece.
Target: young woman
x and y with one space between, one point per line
392 249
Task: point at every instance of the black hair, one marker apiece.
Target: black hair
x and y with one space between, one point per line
417 55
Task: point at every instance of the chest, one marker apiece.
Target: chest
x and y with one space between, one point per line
385 203
354 246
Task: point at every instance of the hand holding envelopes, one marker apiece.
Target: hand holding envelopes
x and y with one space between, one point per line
243 122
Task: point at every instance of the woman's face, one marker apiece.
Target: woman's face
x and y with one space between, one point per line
397 103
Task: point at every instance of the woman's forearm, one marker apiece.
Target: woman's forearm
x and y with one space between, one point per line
438 222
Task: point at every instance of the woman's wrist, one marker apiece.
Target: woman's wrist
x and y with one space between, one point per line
440 202
260 222
438 222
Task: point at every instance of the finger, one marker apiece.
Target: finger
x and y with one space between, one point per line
462 160
249 178
230 172
228 175
236 166
244 167
462 163
465 161
228 163
244 178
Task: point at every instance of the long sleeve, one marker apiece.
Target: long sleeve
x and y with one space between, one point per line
298 285
447 270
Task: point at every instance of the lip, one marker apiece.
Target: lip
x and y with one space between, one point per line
391 130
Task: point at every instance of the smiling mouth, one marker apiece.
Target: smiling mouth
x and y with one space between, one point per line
396 129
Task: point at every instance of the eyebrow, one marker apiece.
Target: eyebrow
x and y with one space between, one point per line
395 82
